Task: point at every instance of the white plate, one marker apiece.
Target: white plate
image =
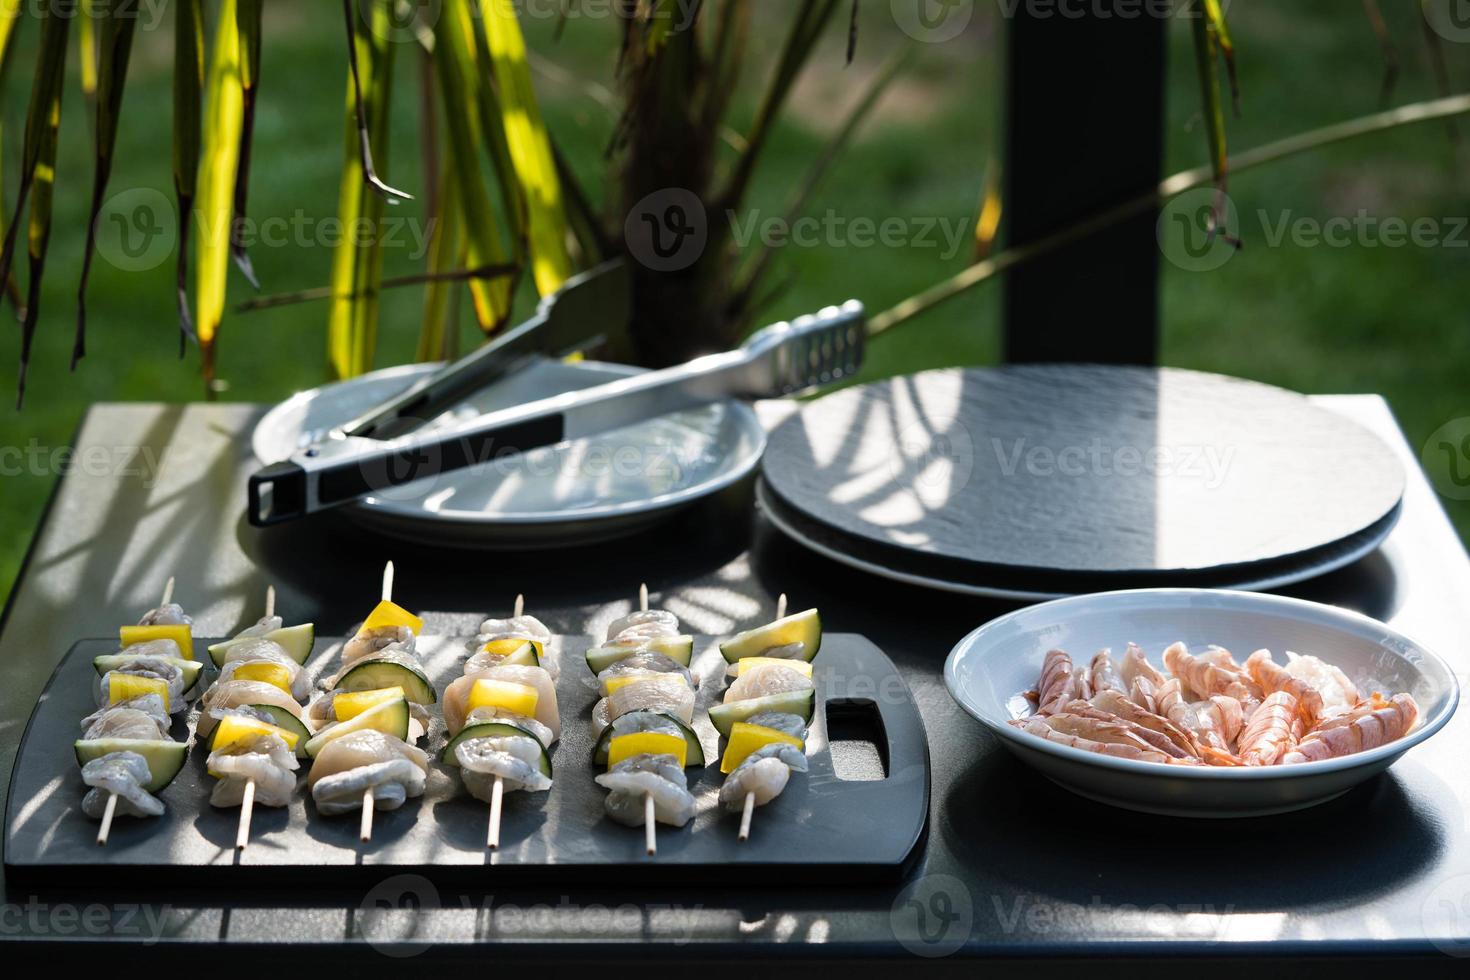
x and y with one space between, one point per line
987 671
578 492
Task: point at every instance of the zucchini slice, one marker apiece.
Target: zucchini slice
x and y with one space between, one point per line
724 716
282 718
295 640
680 648
803 627
165 757
493 729
112 661
374 675
694 757
390 718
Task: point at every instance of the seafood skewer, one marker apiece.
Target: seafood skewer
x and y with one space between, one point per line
126 751
766 710
502 714
253 718
643 720
362 755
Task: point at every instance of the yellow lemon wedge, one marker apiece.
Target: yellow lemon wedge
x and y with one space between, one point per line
233 728
346 706
125 687
614 683
800 666
276 675
516 698
646 743
745 738
182 635
388 613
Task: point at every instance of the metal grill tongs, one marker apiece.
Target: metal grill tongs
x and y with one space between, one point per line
779 360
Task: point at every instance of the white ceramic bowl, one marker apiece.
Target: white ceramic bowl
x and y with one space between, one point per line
989 669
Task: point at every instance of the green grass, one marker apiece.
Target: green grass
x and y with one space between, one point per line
1313 319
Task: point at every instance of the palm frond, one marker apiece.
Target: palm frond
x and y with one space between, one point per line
529 148
38 168
119 19
219 168
188 90
248 19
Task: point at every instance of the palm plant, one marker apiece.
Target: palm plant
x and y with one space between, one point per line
504 205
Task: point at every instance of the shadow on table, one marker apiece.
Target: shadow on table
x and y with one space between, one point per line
1008 821
337 566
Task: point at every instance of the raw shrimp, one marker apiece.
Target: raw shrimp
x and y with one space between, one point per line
169 614
671 699
350 766
487 713
377 640
763 680
123 774
264 760
457 695
1339 694
1089 726
1151 736
1271 677
152 669
1059 683
643 775
150 705
1040 728
1136 665
513 759
1202 718
764 773
262 626
126 723
1125 708
1203 677
263 654
640 627
1273 729
1143 693
1371 724
646 662
1104 676
236 693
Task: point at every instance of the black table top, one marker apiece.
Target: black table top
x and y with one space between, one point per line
1015 870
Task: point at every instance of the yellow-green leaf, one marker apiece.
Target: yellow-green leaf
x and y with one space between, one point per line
438 332
118 18
357 264
188 98
530 149
224 113
458 73
248 17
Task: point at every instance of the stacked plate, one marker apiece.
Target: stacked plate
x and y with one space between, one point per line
1038 481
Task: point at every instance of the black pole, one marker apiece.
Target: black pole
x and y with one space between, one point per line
1085 111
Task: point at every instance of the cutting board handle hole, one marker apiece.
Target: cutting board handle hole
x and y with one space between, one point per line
857 740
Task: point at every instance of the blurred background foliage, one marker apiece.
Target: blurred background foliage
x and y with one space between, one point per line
1359 318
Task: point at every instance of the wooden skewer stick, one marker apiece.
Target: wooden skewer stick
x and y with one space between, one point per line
366 830
270 601
247 808
105 830
497 794
749 811
746 815
520 606
650 831
388 582
107 815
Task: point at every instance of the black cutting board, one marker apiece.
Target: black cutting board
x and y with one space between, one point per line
1079 474
863 826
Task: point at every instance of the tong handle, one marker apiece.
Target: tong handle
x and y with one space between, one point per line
289 490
